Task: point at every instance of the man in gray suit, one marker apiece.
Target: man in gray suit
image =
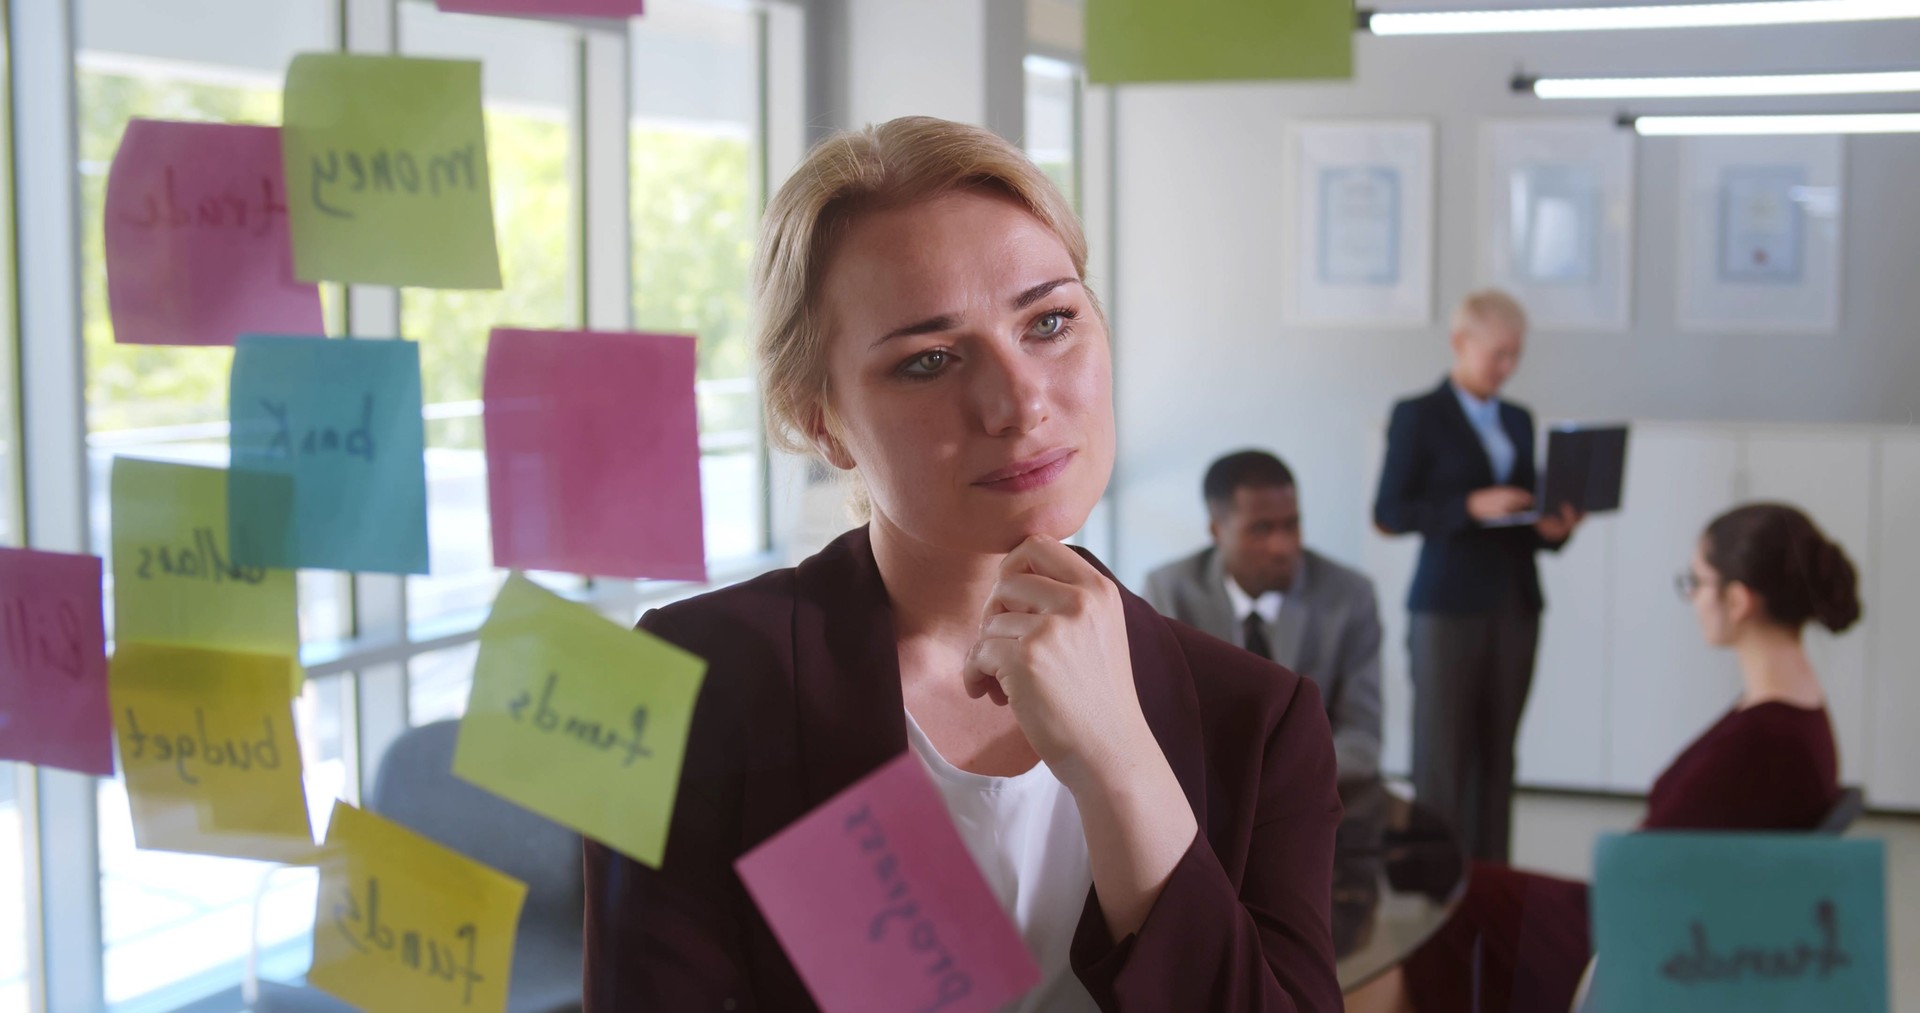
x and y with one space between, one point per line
1261 588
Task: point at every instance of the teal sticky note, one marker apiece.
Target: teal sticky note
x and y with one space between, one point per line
1705 922
329 454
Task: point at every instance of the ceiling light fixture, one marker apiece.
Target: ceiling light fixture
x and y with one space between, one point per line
1577 19
1825 123
1873 83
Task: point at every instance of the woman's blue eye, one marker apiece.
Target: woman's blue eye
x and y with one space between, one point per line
1050 326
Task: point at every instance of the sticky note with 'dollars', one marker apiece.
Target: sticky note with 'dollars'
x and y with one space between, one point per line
53 662
404 924
578 719
329 467
208 748
1754 923
175 576
197 246
386 162
877 902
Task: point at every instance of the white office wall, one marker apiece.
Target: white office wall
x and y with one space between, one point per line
1205 364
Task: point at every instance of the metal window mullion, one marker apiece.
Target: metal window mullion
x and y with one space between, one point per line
59 811
379 692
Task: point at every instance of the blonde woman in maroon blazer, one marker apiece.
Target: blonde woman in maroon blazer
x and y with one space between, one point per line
925 323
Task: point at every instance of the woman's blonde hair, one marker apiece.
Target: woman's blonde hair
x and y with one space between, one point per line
898 163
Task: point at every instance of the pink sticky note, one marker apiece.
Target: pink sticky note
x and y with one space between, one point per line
197 242
593 453
53 662
547 8
880 907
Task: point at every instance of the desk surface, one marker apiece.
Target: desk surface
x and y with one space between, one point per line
1398 872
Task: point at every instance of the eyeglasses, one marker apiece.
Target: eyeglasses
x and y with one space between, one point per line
1686 582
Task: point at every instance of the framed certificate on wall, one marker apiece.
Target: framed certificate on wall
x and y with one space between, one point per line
1556 219
1760 234
1359 251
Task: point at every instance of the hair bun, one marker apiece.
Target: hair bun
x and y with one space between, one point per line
1835 586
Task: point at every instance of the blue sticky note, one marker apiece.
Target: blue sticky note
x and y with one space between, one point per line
329 454
1704 922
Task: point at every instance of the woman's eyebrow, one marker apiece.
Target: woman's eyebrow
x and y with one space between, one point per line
1037 292
931 325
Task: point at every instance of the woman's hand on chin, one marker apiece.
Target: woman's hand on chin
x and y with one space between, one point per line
1053 646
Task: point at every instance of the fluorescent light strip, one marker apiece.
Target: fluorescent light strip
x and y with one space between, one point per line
1583 19
1723 87
1844 123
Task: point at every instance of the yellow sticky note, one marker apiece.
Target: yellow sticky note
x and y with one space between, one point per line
405 924
209 753
386 163
578 719
174 578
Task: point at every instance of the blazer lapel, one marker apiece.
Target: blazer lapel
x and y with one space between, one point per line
846 669
1290 630
1450 407
1217 615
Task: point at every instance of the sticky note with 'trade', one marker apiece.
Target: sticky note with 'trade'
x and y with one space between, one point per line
404 924
207 743
877 902
578 719
197 247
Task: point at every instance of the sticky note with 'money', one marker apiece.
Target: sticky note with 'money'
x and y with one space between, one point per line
208 747
593 453
404 924
175 578
578 719
1753 923
386 163
329 467
53 662
880 907
197 247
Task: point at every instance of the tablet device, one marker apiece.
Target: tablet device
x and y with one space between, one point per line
1586 465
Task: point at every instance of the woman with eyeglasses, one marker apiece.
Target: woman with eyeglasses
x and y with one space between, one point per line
1760 573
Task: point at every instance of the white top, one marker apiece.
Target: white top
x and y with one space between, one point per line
1244 605
1024 833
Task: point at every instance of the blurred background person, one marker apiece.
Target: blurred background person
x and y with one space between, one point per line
1260 587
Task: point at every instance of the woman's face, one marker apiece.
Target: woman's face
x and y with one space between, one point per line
1710 601
969 373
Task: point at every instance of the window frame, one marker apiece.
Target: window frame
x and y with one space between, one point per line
50 486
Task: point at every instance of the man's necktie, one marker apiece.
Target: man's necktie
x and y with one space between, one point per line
1255 636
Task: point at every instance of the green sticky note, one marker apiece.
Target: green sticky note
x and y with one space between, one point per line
175 580
1754 923
578 719
386 166
1132 41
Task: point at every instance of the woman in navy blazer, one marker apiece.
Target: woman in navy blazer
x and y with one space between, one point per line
924 320
1459 462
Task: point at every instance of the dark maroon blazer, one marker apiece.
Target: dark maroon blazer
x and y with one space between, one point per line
802 698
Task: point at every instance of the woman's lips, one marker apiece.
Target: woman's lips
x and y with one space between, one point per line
1029 474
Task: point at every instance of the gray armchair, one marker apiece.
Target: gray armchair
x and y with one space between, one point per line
416 788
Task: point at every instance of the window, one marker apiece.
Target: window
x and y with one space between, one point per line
13 872
178 930
695 152
528 74
1053 122
178 927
